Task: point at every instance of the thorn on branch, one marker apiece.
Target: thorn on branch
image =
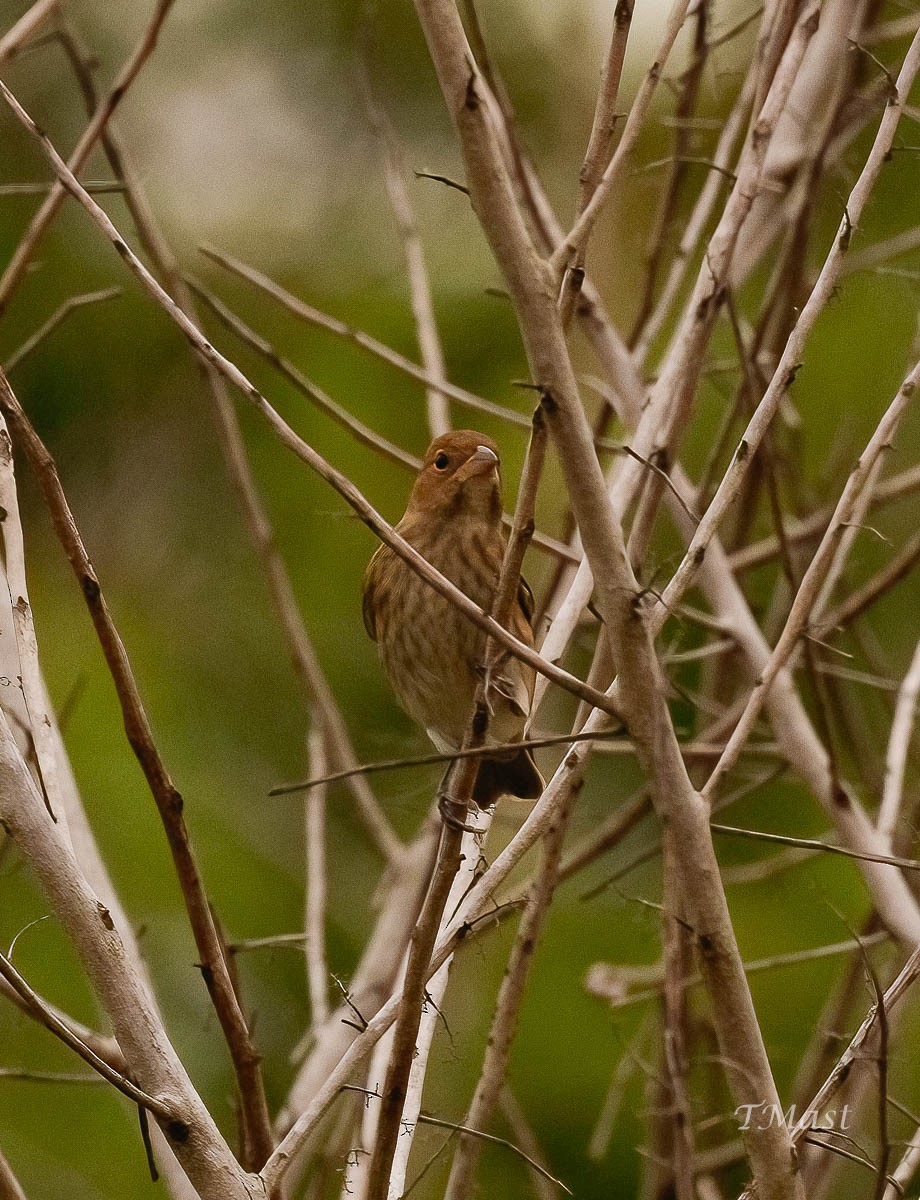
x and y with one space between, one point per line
471 100
91 589
178 1131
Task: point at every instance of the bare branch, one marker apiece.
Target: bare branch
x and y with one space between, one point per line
63 1031
61 314
595 196
507 1008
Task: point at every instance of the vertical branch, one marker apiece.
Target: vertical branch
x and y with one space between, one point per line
576 239
657 244
597 154
406 1026
33 690
479 823
677 957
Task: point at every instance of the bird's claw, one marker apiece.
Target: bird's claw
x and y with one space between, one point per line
452 813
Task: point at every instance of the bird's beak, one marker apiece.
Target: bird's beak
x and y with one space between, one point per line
481 461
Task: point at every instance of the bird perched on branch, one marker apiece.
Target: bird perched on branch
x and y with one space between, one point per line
432 653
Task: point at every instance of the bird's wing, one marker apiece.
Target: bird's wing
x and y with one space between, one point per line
367 602
513 679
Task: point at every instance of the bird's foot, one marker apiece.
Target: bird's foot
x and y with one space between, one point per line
453 812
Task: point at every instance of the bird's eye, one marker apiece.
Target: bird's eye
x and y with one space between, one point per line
441 462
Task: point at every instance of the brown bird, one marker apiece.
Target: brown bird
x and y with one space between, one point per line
432 653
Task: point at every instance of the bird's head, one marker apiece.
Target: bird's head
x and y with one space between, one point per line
459 476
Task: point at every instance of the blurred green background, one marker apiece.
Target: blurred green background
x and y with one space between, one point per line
248 131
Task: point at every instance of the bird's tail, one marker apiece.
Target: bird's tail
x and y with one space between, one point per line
514 775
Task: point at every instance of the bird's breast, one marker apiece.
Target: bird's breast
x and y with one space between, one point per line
431 652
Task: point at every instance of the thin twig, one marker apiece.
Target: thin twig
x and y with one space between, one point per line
612 983
427 760
96 187
313 316
16 1075
64 1033
862 598
906 864
479 1134
57 317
